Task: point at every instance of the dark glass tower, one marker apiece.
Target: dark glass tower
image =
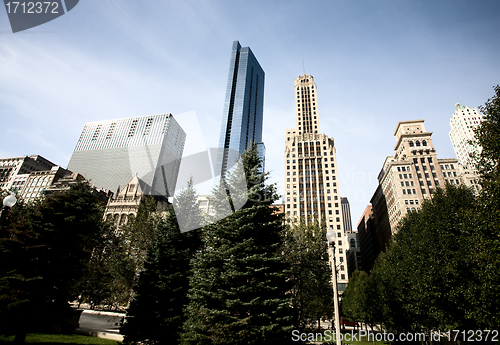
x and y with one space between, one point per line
243 108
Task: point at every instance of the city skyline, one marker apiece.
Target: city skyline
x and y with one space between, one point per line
376 63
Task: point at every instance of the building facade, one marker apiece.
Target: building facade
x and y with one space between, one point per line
243 108
409 177
39 181
110 153
123 207
311 188
346 214
14 171
463 123
368 239
354 259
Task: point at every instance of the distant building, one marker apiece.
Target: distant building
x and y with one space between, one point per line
204 203
243 108
124 205
368 239
110 153
408 177
463 123
354 260
14 171
311 187
55 180
346 214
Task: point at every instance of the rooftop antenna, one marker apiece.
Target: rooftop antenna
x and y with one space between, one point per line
303 66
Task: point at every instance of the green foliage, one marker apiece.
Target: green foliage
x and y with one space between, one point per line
425 279
139 233
487 304
156 312
45 248
239 283
357 304
305 250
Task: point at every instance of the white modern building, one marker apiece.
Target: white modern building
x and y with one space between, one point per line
462 123
110 153
311 187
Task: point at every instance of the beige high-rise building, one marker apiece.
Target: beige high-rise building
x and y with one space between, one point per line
311 187
409 177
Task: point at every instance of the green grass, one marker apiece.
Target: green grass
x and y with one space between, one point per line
45 339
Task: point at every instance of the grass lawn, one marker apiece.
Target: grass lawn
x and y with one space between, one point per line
45 339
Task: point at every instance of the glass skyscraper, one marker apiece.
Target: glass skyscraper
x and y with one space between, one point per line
243 108
110 153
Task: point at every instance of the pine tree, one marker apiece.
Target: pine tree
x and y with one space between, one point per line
156 312
239 288
45 249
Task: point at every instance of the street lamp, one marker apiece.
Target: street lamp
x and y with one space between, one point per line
330 237
8 202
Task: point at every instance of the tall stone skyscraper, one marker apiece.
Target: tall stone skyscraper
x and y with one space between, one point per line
311 188
243 108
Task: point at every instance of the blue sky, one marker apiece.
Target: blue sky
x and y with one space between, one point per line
375 63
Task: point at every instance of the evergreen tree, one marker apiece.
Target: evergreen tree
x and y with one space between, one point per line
305 250
156 314
45 249
239 283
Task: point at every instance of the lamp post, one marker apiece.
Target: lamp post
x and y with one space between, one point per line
8 202
330 237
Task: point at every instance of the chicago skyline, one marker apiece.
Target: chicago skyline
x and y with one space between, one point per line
126 63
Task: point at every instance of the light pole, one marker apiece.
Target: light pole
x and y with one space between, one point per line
330 237
8 202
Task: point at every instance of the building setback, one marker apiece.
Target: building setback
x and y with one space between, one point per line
243 108
110 153
311 188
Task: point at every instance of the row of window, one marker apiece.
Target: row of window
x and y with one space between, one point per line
417 143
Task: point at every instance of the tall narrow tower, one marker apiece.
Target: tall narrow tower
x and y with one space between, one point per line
311 188
462 123
243 108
